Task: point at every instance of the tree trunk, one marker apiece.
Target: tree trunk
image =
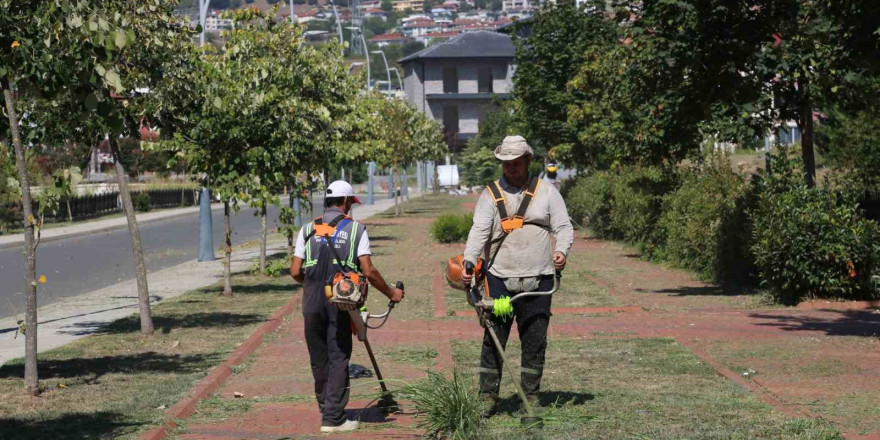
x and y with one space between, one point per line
402 179
806 126
140 265
396 204
69 212
31 379
288 233
227 259
263 239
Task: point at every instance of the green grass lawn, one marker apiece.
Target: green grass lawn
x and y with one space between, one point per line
117 384
636 389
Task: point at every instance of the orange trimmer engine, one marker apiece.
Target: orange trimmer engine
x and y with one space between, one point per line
347 291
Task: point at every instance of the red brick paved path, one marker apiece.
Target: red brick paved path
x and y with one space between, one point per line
658 302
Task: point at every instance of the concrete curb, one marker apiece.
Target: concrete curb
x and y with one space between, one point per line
98 227
216 378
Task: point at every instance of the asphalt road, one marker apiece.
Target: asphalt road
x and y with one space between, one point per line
81 264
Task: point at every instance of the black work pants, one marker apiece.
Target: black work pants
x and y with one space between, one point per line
328 336
532 316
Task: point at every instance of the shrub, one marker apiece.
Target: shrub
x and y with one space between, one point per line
637 202
623 204
141 201
810 242
452 228
589 203
704 222
276 266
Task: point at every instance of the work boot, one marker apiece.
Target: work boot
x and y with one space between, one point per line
535 402
490 405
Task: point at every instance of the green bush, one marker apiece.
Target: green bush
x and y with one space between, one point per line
141 201
276 266
637 202
589 203
705 223
810 242
452 228
623 205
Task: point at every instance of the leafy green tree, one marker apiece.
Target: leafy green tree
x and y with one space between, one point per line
547 60
403 135
264 109
387 6
848 139
411 47
479 166
495 5
42 54
820 50
679 72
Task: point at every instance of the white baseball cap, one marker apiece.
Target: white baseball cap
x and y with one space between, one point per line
341 188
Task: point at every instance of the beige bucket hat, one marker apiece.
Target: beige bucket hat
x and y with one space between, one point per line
512 147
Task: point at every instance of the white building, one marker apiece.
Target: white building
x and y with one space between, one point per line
217 24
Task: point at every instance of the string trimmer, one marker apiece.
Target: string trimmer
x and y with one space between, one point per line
485 307
361 320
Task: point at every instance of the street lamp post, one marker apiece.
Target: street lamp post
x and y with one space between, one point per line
206 226
399 81
203 16
364 41
387 70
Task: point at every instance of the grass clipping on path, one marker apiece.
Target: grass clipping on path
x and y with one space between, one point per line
447 408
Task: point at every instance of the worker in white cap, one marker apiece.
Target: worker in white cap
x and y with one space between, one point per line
514 220
328 329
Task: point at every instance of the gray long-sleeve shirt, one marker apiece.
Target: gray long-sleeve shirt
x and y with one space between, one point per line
525 252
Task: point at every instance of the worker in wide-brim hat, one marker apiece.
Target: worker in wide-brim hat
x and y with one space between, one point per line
519 255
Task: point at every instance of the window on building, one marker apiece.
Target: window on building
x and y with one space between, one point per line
484 79
450 79
450 122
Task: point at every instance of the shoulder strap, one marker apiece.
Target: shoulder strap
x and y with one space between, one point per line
323 230
498 197
528 197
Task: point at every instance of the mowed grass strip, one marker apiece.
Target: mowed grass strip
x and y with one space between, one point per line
833 376
403 250
636 389
117 384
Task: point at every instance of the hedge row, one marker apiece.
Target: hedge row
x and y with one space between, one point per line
797 241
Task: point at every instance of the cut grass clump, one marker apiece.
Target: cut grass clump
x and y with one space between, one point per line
447 408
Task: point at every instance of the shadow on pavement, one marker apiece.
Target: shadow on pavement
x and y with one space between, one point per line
847 322
153 299
81 426
93 368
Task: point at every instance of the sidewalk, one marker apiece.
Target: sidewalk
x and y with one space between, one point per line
77 317
769 365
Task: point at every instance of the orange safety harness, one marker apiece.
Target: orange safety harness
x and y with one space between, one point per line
509 224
